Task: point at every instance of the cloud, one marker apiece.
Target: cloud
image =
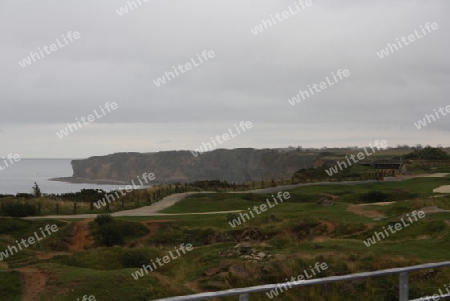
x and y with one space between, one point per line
251 77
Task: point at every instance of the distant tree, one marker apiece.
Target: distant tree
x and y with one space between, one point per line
36 190
427 153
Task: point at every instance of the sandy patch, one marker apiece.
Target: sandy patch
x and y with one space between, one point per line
442 189
431 175
432 209
359 209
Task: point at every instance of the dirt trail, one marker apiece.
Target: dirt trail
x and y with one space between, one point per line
33 283
432 209
431 175
359 209
155 208
81 236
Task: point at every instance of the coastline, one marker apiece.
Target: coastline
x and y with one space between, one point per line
73 180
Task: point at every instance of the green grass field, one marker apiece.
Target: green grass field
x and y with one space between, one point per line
292 235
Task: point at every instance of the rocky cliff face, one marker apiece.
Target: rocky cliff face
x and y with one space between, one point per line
237 165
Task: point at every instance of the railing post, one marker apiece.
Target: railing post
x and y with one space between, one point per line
403 287
244 297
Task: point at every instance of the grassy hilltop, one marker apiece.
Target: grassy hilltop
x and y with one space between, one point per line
322 223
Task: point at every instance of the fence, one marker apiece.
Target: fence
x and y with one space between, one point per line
244 293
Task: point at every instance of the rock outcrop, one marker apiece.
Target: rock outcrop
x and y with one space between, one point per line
237 165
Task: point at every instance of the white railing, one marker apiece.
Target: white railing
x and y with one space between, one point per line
244 293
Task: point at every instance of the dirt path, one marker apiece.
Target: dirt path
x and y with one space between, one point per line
152 210
432 209
33 283
155 208
431 175
359 210
80 236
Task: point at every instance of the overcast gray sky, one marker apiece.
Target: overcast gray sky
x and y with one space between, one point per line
251 77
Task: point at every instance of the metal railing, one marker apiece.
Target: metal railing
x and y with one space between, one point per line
244 293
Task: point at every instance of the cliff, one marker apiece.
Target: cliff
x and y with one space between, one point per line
237 165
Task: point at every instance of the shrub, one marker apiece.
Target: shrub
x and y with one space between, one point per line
109 235
12 226
103 219
16 209
133 259
375 197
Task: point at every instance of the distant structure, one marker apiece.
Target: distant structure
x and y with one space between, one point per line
395 165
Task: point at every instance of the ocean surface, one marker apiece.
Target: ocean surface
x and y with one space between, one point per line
20 177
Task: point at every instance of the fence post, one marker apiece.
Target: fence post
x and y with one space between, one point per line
403 287
244 297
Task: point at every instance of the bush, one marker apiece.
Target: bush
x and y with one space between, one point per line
133 259
375 197
109 232
109 235
16 209
103 219
13 226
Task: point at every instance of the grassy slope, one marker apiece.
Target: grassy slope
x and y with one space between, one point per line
99 272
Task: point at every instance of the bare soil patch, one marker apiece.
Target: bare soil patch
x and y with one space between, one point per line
432 209
359 209
431 175
33 283
80 236
442 189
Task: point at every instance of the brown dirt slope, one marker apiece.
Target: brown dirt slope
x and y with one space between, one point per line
80 236
33 283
